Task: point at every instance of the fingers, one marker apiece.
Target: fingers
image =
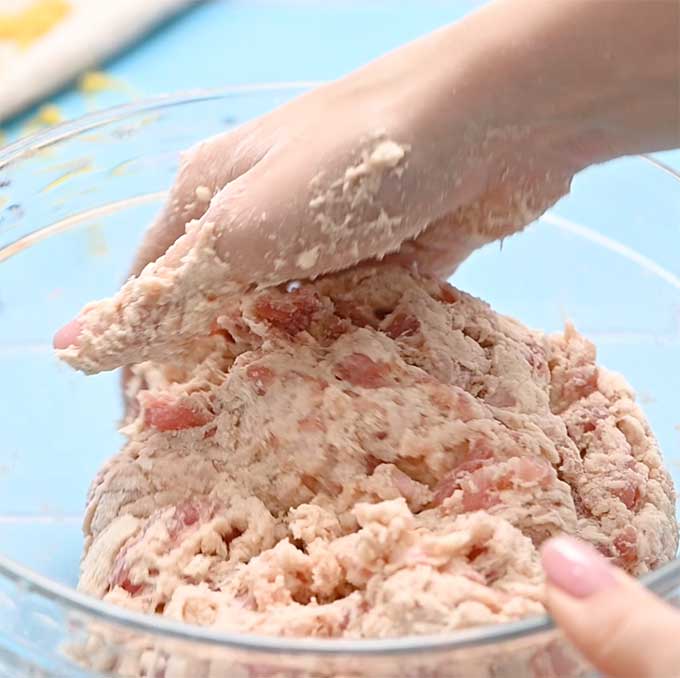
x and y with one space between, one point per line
282 219
155 315
299 208
439 249
68 335
302 216
260 229
619 626
172 298
204 170
500 212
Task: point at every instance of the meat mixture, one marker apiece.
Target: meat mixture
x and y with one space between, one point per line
372 454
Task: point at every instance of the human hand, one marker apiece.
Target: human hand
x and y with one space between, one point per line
621 628
456 140
358 169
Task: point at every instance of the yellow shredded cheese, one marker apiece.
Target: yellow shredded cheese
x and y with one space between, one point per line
49 115
93 82
29 25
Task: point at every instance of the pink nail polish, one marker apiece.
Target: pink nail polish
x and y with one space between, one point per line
575 567
67 335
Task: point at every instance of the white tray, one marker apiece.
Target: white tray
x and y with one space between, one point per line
86 34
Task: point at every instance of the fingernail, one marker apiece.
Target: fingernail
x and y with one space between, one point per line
576 568
67 335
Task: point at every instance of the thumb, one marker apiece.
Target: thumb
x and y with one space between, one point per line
617 625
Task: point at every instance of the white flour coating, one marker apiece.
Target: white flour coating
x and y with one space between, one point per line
308 258
374 454
203 193
523 192
351 202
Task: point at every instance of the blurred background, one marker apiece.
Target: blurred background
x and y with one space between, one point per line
60 59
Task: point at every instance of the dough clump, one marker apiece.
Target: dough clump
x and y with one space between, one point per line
372 454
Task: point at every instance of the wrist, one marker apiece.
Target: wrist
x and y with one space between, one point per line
594 79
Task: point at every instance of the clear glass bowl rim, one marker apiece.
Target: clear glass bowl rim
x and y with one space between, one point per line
662 581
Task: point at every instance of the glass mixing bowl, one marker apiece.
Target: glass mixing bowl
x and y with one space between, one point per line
73 204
